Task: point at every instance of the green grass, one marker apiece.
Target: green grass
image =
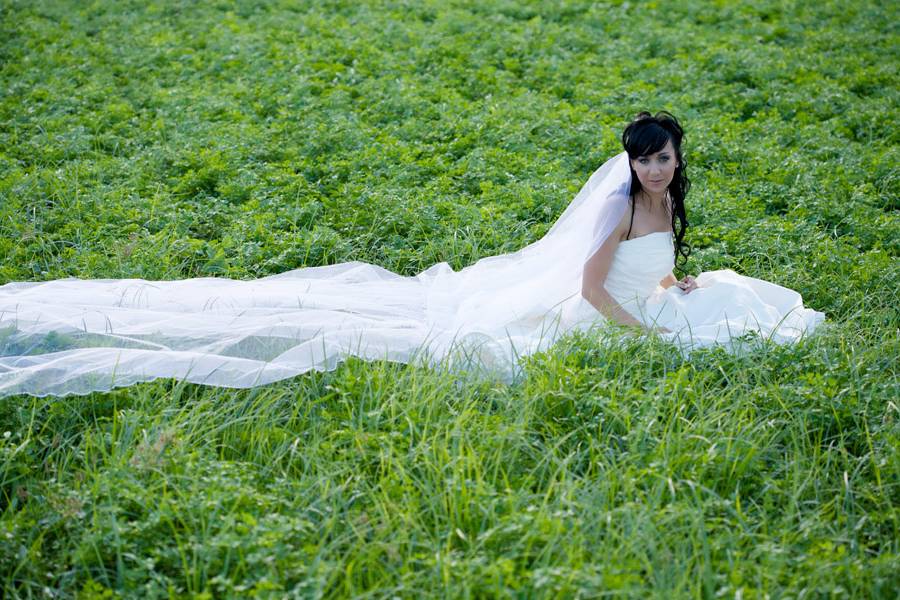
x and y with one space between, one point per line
180 139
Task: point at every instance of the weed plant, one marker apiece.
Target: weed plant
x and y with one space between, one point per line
167 140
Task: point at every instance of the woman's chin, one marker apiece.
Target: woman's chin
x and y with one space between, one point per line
656 188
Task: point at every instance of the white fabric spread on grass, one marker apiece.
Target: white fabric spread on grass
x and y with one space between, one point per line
73 336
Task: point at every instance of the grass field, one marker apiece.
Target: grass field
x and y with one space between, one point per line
174 139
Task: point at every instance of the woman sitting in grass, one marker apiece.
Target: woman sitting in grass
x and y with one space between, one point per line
628 275
609 256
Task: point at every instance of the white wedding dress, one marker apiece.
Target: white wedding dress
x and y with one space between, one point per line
74 336
724 307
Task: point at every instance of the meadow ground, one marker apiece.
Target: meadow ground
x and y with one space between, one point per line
177 139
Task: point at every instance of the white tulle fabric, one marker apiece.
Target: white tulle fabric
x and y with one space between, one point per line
73 336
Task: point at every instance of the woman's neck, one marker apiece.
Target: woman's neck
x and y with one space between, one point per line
654 201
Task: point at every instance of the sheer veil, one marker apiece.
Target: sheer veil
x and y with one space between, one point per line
74 336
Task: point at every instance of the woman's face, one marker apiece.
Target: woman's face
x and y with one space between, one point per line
655 171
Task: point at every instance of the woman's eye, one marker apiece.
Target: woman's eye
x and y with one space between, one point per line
643 161
663 159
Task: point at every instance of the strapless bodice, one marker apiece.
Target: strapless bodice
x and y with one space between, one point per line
638 265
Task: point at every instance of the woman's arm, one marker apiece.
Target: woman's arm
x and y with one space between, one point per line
595 270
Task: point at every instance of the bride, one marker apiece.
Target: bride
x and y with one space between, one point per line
609 257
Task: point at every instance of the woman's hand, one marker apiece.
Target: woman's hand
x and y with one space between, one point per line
687 284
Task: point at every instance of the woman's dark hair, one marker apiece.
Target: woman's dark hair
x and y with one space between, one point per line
645 135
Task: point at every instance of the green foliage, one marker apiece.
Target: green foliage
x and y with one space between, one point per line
177 139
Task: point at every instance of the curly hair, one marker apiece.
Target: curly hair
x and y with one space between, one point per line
645 135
